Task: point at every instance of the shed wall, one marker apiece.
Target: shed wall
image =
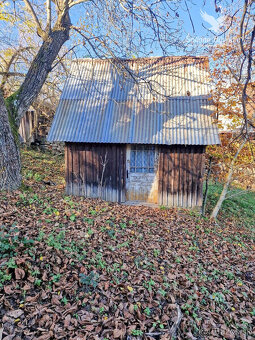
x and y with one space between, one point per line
96 170
28 126
181 170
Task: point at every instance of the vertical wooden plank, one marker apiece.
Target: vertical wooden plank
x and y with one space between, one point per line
104 174
71 168
78 148
183 179
183 175
108 174
89 170
198 171
173 175
115 179
75 168
91 167
30 119
160 161
124 154
180 194
194 177
189 176
100 160
92 170
101 174
85 170
119 171
119 167
165 176
184 164
82 168
171 179
180 175
164 187
176 176
67 168
96 169
105 155
161 175
168 179
115 162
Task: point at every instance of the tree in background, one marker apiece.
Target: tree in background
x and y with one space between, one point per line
234 89
15 60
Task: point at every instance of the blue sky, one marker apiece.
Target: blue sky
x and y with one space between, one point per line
200 37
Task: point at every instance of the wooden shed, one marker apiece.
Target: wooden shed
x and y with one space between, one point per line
136 130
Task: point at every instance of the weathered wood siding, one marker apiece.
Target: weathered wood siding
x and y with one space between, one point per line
96 170
181 175
28 125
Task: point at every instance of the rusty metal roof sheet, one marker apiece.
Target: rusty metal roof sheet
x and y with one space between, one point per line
147 101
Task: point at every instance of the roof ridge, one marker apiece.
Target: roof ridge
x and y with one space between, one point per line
153 58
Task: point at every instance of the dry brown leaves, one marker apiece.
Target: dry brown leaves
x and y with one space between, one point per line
87 269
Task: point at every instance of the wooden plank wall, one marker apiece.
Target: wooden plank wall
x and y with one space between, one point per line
28 125
181 170
85 175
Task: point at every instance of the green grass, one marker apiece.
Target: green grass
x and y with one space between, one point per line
240 205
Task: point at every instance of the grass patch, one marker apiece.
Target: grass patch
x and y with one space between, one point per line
239 205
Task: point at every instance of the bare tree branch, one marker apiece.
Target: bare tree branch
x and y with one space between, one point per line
12 74
48 9
40 31
77 2
6 73
61 59
190 18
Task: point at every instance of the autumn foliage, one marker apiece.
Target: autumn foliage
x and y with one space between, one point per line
244 172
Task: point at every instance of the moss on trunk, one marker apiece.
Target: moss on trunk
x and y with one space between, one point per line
12 115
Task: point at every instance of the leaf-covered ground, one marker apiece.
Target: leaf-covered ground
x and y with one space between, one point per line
75 268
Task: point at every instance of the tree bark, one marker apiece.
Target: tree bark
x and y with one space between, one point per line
10 168
226 185
39 69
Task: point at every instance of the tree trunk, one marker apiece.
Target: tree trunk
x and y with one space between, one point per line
39 70
19 103
10 168
226 185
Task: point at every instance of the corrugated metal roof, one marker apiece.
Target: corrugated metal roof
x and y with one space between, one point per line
147 101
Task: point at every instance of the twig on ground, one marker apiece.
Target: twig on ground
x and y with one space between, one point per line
175 326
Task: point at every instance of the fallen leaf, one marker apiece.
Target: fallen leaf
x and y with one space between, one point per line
19 273
15 313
